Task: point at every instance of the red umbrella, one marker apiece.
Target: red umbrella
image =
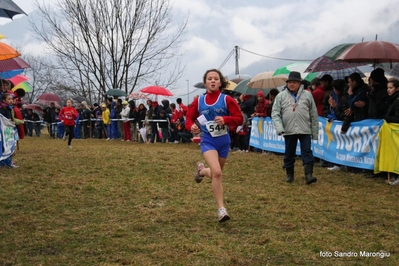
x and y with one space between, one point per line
12 64
324 63
34 107
48 98
371 52
157 90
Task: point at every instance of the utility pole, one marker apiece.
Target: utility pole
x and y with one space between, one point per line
237 56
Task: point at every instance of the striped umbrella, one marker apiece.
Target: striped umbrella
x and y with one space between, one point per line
324 63
334 52
23 85
297 66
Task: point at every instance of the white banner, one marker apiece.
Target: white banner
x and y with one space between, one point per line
7 137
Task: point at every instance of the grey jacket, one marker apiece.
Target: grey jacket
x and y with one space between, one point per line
292 116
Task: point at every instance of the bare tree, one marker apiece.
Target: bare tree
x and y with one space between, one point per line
45 78
105 44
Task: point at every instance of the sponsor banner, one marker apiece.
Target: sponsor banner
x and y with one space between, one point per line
357 148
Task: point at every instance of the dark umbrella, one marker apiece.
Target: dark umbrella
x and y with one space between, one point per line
8 9
48 98
116 92
81 99
34 107
237 80
341 73
324 63
12 64
199 85
374 52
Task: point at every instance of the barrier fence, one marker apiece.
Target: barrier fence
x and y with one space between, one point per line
369 144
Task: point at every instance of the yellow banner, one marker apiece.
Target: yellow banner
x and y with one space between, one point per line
387 159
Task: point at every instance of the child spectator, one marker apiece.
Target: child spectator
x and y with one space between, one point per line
164 126
7 111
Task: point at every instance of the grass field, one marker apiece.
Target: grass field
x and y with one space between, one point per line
116 203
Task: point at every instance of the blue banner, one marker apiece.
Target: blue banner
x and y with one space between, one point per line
357 148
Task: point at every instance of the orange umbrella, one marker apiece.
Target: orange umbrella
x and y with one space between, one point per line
7 52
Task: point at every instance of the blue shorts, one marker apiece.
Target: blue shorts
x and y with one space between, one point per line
220 144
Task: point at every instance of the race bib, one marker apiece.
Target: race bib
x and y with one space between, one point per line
216 130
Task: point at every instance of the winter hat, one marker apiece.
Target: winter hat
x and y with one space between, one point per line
260 93
378 75
294 76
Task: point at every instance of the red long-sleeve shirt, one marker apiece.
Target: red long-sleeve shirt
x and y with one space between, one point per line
233 120
68 114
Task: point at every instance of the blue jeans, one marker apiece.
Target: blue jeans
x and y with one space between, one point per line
290 149
114 130
35 126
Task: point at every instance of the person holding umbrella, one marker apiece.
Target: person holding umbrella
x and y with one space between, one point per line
68 115
213 114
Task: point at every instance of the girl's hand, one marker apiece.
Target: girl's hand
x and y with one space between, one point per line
195 129
219 120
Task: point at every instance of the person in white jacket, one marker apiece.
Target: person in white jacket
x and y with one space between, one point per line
295 117
126 123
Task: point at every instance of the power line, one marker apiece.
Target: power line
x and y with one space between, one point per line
277 58
227 59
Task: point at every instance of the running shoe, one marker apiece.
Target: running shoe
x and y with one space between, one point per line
198 177
223 215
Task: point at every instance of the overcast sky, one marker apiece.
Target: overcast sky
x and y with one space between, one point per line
278 28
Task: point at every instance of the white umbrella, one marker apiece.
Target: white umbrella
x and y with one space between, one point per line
266 80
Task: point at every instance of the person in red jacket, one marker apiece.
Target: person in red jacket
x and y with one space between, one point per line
213 114
261 106
18 115
322 92
68 115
